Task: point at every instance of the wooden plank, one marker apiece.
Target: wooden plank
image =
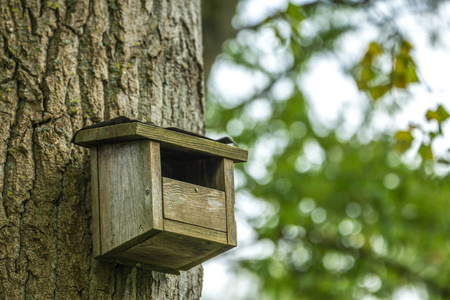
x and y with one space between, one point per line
170 250
220 176
125 192
194 204
116 251
206 257
195 231
95 204
106 135
154 169
168 138
197 144
228 175
104 202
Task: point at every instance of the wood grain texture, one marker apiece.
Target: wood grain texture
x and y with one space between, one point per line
108 134
154 175
96 235
168 138
125 192
170 250
228 175
195 231
178 246
193 204
116 251
206 257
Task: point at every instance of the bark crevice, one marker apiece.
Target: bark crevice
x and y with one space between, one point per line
67 65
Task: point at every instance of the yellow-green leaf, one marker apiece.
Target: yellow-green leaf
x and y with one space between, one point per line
403 140
426 152
440 114
405 47
378 91
411 75
375 49
295 12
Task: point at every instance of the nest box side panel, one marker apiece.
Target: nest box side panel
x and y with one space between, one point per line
156 185
228 180
130 201
95 203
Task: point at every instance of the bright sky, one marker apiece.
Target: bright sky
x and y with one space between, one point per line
340 94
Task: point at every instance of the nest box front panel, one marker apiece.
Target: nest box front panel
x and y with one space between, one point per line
208 176
194 204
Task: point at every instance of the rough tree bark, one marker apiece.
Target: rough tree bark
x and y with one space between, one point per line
65 65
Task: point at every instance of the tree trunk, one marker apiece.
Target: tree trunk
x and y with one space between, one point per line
66 65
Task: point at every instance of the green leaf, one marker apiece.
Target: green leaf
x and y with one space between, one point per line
404 71
295 12
367 74
440 114
411 75
370 196
405 47
426 152
377 92
403 140
375 49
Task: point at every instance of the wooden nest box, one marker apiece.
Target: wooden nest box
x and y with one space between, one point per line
161 199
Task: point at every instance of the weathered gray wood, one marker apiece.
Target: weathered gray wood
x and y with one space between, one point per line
171 250
126 192
206 257
228 176
116 251
195 231
178 246
217 174
164 223
194 204
168 138
154 173
104 176
107 135
95 204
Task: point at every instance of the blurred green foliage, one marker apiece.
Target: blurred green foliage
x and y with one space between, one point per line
343 218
